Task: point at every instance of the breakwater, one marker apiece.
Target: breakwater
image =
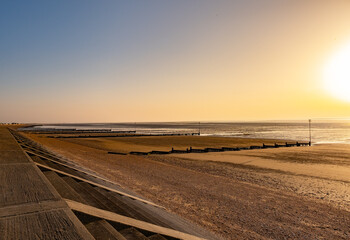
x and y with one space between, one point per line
222 149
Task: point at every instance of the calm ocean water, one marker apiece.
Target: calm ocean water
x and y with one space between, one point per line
322 131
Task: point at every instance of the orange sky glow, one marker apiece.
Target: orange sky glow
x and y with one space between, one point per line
184 61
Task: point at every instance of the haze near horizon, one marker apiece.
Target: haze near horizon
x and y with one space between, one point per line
114 61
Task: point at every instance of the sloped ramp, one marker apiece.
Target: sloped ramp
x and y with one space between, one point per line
106 215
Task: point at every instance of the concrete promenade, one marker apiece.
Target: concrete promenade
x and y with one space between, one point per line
30 208
45 197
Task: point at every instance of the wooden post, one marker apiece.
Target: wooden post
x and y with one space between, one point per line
310 132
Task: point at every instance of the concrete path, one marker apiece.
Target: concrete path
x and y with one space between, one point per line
30 208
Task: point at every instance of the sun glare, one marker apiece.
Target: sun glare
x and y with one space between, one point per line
337 74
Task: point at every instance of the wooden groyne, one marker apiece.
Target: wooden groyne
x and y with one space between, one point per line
73 131
222 149
117 153
124 134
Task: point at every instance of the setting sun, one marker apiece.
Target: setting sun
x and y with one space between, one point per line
337 74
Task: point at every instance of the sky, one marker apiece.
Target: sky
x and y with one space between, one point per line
121 61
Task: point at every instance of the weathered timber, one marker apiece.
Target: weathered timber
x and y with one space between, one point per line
117 153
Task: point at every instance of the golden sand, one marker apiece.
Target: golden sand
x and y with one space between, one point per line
297 193
164 143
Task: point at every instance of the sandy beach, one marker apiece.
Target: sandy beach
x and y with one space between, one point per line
294 193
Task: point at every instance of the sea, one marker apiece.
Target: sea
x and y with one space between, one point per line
321 131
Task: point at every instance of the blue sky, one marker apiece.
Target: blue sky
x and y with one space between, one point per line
76 61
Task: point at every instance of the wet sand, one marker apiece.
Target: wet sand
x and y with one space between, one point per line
165 143
295 193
